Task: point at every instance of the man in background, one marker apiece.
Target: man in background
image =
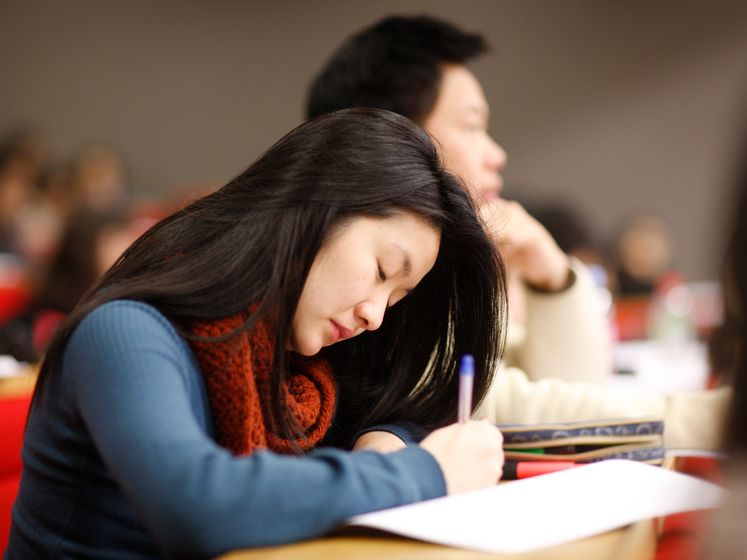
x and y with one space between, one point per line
417 66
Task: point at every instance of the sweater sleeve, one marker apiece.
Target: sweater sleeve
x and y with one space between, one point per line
566 333
197 499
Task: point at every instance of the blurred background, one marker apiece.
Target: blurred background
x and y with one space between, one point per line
621 121
611 107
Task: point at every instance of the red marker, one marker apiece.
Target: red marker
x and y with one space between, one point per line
513 470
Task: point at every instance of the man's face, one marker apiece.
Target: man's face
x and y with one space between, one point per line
459 122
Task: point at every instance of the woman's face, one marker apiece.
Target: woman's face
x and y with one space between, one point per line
364 267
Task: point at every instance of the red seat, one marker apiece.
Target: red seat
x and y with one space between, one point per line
631 317
13 299
13 413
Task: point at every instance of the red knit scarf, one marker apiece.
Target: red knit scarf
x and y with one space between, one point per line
237 375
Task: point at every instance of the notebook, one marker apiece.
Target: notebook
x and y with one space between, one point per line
638 439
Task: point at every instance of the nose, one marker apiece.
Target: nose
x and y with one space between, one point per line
496 156
371 313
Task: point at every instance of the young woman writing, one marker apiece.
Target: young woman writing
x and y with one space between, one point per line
202 395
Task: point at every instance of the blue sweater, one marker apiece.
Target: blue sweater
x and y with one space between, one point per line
120 459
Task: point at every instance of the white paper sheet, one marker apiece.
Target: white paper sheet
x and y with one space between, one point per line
550 509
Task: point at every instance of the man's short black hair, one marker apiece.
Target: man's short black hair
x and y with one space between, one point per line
394 65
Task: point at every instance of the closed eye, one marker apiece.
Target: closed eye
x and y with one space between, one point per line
382 275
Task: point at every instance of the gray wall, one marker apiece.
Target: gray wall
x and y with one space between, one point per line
616 106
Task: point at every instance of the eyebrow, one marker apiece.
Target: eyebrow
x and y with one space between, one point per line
406 261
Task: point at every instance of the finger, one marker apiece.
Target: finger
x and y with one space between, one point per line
500 436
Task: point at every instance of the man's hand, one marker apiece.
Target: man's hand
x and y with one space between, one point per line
528 248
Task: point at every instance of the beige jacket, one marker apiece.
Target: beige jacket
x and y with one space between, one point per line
564 361
563 335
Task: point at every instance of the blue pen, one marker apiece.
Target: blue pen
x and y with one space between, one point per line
466 375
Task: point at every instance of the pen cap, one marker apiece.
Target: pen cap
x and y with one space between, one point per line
467 365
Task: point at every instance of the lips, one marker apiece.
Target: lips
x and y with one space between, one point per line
499 185
339 332
492 189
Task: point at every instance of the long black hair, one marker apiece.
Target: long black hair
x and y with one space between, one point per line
251 244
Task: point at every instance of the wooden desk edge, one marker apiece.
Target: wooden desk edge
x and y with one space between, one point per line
633 542
18 385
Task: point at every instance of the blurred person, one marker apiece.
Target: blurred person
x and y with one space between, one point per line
651 300
38 227
204 396
90 244
21 157
26 148
41 222
14 195
20 167
100 178
29 227
416 66
644 252
58 191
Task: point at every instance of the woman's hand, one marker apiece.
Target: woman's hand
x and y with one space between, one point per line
384 442
470 455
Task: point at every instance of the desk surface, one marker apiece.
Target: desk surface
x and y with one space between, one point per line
634 542
18 385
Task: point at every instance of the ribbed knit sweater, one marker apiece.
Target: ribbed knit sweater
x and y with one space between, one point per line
120 460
